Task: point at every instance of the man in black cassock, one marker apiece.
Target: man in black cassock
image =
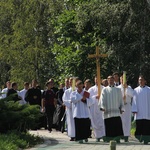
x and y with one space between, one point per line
55 116
13 92
60 110
33 97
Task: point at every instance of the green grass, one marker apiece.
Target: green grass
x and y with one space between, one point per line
15 140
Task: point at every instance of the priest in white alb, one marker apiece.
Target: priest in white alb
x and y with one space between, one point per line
97 120
69 115
141 110
111 103
127 94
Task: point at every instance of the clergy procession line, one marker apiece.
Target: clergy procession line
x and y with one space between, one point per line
77 107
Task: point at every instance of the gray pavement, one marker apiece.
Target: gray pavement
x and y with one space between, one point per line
58 141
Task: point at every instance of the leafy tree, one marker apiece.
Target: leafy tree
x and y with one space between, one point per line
46 38
115 22
26 41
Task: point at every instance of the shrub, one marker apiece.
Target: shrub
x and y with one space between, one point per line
14 140
18 117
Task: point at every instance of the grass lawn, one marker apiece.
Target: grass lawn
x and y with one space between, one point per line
16 140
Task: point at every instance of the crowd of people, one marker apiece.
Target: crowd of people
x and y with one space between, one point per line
79 108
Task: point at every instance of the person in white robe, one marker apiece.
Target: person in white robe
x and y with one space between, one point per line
69 115
116 78
111 103
127 94
67 86
87 84
5 90
141 110
81 102
97 120
104 82
23 92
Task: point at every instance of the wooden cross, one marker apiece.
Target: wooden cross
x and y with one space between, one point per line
98 56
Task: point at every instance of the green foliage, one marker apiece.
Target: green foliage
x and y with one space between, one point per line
15 140
24 41
45 38
17 117
133 126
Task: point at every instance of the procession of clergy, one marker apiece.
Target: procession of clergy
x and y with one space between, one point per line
107 116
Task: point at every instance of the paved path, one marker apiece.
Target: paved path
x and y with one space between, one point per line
58 141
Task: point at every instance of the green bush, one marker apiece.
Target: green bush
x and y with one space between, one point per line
18 117
14 140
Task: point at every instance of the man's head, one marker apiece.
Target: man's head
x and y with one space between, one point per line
87 84
116 77
61 85
142 80
105 82
95 80
26 85
67 82
79 85
8 84
14 86
34 83
49 84
110 80
70 81
52 82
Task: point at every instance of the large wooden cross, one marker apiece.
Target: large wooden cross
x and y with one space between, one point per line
98 56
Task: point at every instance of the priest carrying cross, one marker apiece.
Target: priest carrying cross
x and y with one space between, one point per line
98 56
97 121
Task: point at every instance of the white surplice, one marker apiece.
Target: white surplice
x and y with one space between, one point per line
141 103
69 114
111 101
80 109
126 116
4 91
97 120
22 95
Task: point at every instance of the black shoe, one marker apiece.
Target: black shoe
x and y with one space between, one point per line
126 139
50 130
72 139
106 139
98 140
145 142
118 141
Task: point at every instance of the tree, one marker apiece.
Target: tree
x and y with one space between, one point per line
42 39
26 40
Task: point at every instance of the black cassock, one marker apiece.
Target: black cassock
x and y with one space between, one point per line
33 96
59 112
14 94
